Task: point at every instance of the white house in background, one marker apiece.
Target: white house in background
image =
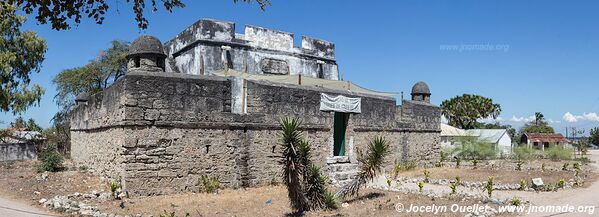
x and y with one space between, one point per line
499 137
450 135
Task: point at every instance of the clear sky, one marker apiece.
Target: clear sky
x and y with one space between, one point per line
528 56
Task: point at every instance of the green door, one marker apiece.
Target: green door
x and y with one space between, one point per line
339 128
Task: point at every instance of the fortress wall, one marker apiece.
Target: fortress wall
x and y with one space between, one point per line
158 133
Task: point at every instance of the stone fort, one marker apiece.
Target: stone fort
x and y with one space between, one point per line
209 101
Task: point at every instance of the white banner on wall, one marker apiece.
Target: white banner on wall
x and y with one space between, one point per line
340 103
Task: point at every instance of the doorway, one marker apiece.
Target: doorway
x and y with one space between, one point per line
339 128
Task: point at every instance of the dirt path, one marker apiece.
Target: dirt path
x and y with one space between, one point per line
584 197
9 207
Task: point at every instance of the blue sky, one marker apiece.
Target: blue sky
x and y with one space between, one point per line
528 56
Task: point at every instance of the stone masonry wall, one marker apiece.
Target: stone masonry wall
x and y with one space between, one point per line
159 132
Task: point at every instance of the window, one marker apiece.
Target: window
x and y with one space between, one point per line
339 128
229 60
320 71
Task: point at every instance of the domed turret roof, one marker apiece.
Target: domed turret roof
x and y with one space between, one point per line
421 88
146 44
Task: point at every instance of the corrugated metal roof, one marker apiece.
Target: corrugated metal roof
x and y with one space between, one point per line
545 137
447 130
490 135
21 137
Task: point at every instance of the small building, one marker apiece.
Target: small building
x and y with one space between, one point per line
498 137
543 140
450 135
19 146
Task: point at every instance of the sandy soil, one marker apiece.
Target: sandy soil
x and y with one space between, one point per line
584 197
10 207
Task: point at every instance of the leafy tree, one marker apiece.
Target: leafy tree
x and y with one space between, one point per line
538 125
21 54
99 74
60 13
371 164
595 136
464 111
32 126
18 123
472 148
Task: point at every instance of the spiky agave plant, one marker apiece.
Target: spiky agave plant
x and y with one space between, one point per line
371 164
293 170
315 187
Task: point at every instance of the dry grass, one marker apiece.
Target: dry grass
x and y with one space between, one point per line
253 202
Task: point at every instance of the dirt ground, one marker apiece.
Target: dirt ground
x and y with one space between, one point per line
481 175
273 201
19 180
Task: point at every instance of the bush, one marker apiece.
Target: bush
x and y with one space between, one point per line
516 201
330 201
558 153
523 153
208 184
474 149
50 159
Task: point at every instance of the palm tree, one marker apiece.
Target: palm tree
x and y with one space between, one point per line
539 118
371 164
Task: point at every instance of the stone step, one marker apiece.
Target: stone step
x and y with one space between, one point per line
342 167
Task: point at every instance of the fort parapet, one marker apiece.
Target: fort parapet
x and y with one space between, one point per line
212 45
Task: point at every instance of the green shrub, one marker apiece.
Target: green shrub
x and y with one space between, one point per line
558 153
543 166
420 186
523 153
471 148
457 162
519 165
474 163
330 201
516 201
454 184
427 175
208 184
113 187
565 166
561 183
50 160
523 185
489 186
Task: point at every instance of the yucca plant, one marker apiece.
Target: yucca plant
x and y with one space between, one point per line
306 185
330 201
371 163
293 170
315 187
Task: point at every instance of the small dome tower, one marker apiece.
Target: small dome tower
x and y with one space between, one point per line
421 92
146 54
